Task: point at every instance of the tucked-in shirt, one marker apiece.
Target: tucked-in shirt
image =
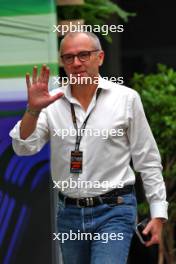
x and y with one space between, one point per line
106 156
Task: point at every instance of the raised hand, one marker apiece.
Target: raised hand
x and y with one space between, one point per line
38 94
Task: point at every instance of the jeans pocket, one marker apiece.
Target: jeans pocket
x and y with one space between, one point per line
130 200
59 208
111 205
127 201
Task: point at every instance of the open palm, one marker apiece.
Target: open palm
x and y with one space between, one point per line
38 94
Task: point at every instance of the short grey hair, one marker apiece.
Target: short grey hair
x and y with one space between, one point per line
91 35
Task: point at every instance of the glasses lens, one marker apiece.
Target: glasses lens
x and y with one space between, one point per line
84 55
68 58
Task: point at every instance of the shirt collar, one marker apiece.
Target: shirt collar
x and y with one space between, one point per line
102 83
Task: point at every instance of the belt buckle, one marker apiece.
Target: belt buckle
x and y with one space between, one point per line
88 200
78 203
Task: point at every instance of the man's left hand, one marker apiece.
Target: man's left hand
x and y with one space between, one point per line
154 227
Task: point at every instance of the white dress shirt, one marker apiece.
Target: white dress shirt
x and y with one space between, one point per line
117 108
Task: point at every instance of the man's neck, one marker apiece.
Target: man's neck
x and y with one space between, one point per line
84 93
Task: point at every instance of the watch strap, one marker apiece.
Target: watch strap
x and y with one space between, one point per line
32 111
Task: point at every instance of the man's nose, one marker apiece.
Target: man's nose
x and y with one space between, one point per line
76 61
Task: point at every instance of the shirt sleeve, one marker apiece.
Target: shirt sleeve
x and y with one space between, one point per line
35 141
146 159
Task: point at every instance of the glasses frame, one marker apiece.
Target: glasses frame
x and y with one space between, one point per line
78 56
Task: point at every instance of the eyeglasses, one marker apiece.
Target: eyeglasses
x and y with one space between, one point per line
82 56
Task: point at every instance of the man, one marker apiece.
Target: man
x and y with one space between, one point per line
106 215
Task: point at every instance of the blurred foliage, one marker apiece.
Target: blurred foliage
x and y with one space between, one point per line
94 12
158 94
143 209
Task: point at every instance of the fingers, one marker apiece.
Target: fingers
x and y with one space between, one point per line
42 74
46 76
154 240
28 82
34 75
155 232
43 77
147 229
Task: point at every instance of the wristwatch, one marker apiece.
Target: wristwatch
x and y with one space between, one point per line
32 112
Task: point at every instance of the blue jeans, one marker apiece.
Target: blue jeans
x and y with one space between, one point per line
109 230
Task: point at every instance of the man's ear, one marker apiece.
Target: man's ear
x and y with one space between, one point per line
101 57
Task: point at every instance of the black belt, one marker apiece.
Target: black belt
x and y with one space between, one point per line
112 197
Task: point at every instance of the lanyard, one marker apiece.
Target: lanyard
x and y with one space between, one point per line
79 135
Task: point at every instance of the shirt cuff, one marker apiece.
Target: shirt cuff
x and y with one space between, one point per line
159 210
15 134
